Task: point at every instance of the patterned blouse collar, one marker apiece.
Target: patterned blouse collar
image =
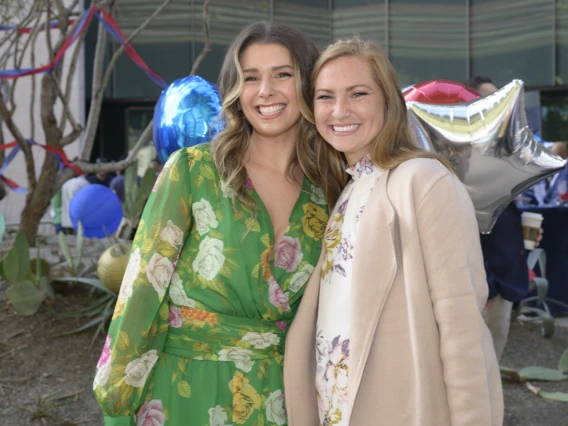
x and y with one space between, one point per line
363 167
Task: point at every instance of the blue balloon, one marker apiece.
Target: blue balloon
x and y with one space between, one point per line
98 209
185 115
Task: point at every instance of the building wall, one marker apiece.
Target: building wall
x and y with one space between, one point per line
30 126
425 39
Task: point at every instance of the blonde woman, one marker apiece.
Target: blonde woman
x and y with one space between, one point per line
225 247
390 330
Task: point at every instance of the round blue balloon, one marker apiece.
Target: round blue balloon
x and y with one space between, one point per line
185 115
98 209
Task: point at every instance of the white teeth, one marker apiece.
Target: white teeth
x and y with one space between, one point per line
271 110
345 128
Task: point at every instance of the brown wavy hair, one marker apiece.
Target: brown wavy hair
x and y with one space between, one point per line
394 144
323 168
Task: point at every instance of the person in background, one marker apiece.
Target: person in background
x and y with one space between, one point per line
100 178
545 192
117 185
559 148
68 190
56 211
156 165
505 258
557 187
144 157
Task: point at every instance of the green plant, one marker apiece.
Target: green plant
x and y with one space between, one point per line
29 282
73 261
100 310
542 374
46 404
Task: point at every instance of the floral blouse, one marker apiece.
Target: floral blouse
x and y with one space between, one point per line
332 340
198 331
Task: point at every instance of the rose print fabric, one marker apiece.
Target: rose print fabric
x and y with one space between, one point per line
332 339
198 332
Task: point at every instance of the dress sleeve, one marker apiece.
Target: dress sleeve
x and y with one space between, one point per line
448 233
140 322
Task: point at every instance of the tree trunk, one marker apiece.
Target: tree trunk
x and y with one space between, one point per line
39 200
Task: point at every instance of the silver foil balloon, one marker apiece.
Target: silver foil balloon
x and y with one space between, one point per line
490 145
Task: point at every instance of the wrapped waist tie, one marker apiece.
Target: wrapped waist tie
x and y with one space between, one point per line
198 334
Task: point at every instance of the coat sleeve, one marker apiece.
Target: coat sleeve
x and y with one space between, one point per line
140 322
448 233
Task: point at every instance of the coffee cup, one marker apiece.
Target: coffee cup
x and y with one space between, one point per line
531 228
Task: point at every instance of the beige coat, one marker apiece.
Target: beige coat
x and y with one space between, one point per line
420 353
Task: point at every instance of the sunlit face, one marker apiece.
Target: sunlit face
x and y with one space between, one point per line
269 100
349 106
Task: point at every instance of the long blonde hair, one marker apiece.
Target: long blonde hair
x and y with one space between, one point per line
393 145
229 147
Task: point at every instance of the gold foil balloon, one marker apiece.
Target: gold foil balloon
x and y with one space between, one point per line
490 145
112 265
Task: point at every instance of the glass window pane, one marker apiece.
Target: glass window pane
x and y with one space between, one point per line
512 39
428 40
365 18
312 17
554 116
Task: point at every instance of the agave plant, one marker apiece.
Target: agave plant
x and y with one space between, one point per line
29 279
99 311
536 373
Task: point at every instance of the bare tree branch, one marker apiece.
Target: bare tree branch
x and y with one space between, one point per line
32 104
70 73
96 101
87 167
71 137
21 140
130 38
19 60
14 81
33 39
30 39
62 16
50 50
72 7
207 46
66 109
23 23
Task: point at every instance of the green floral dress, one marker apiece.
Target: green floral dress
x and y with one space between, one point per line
198 332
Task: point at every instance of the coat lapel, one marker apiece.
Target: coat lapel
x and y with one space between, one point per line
300 357
374 269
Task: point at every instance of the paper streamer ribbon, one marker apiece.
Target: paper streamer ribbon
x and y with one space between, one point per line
56 152
113 29
110 25
85 20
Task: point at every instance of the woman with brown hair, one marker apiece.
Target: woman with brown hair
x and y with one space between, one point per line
389 331
226 244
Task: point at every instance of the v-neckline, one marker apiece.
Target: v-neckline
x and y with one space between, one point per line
261 204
